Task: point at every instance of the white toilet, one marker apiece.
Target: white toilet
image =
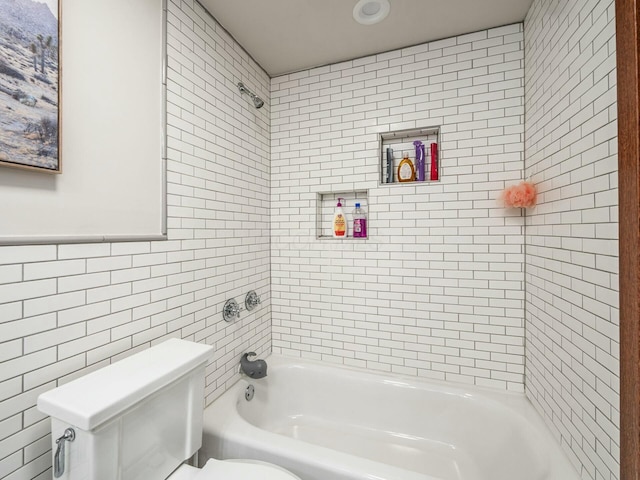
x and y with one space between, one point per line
140 419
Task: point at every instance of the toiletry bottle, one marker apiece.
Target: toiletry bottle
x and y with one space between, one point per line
419 161
390 165
339 221
434 161
359 222
406 170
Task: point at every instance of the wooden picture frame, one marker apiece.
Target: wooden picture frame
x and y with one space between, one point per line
30 85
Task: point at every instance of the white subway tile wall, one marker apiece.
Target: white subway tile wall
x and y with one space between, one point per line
66 310
571 236
438 288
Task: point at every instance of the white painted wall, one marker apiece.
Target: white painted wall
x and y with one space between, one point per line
572 348
68 309
112 135
437 290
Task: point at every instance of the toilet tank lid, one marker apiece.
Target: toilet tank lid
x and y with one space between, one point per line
91 400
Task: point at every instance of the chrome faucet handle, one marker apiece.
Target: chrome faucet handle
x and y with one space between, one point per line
231 310
252 300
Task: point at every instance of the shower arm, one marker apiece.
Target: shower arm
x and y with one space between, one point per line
257 101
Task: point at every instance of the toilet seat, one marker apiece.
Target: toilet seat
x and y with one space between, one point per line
289 475
233 470
243 469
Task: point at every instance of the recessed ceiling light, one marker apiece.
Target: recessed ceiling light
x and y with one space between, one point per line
368 12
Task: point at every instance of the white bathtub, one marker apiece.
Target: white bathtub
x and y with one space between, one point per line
334 423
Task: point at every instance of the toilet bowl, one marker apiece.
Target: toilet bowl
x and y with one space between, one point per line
140 419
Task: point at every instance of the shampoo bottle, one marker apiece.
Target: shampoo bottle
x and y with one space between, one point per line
389 165
339 221
406 170
434 161
359 223
420 166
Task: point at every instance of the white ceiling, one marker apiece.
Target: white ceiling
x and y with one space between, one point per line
286 36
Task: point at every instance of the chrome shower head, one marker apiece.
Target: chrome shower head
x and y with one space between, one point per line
257 101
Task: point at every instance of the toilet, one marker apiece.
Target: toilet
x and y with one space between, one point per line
140 419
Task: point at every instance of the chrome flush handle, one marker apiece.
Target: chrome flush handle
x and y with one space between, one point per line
58 459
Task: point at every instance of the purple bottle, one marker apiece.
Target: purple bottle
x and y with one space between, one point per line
420 170
359 222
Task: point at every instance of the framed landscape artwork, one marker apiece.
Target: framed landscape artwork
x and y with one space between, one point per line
30 84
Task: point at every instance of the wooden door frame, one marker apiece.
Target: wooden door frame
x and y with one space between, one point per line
628 73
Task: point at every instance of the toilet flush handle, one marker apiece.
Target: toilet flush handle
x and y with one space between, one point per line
58 459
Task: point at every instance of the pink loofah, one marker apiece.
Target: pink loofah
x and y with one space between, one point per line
520 196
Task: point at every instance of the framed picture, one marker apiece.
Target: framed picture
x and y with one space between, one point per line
30 84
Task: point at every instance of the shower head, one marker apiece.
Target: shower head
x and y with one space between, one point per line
257 101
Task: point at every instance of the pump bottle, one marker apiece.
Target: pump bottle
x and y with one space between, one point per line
339 221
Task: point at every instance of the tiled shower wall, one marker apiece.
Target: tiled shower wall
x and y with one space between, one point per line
69 309
571 242
437 289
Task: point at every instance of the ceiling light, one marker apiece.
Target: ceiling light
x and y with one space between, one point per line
368 12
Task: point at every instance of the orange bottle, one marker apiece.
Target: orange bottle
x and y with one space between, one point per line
406 170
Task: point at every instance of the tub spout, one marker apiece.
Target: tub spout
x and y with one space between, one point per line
253 368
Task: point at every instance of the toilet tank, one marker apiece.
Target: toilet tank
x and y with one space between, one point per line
137 419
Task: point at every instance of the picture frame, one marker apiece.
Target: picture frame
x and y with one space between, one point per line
30 80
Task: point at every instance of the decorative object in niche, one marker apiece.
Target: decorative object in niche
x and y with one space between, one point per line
523 195
30 85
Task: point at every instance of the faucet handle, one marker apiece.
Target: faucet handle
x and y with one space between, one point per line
252 300
231 310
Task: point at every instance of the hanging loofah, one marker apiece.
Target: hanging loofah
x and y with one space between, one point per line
524 195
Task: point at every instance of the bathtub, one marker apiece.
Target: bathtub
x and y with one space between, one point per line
335 423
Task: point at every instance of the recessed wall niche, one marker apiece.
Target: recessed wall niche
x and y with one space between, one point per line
400 142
